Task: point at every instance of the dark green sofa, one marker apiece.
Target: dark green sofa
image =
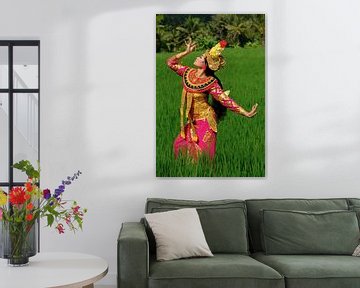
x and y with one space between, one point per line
233 231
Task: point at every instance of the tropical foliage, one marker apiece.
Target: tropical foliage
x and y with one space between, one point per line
240 30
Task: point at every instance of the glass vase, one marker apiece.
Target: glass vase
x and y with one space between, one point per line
18 242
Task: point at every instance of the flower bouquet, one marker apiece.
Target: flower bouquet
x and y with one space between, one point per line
21 208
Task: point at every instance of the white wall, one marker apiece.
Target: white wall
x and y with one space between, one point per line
98 105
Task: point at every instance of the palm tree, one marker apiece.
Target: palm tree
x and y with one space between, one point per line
191 28
238 30
218 23
166 36
258 24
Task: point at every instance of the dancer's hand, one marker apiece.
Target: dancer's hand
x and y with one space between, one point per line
190 46
252 112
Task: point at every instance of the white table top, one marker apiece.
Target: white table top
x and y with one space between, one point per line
68 270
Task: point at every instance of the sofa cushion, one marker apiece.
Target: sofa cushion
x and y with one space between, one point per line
356 209
313 271
254 207
222 270
354 205
178 234
223 221
353 201
298 232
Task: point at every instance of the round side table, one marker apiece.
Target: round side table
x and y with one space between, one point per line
50 270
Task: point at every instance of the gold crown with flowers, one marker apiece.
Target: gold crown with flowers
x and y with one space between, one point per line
214 58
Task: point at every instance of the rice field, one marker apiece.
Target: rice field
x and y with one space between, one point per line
240 150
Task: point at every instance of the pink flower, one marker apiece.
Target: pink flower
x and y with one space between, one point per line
76 210
68 219
60 228
1 212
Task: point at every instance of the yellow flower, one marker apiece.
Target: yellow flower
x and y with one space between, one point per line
3 198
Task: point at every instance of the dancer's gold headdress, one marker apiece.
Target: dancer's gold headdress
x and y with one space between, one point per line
214 58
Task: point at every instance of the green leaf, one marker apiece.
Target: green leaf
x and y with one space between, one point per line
52 211
21 165
79 220
50 219
28 168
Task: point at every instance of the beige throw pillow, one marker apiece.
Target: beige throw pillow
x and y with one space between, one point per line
357 251
178 234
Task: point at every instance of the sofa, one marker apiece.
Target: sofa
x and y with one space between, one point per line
275 243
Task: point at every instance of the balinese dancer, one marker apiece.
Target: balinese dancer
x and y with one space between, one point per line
198 135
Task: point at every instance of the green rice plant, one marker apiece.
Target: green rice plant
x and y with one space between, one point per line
240 149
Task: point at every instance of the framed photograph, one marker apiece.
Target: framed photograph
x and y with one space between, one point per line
210 95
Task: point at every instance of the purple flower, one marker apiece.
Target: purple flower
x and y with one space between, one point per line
68 181
46 194
58 192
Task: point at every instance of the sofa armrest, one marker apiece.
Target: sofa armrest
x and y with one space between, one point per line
133 256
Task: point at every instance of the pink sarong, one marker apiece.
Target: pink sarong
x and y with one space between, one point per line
205 144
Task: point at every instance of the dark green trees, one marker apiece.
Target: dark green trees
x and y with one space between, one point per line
240 30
